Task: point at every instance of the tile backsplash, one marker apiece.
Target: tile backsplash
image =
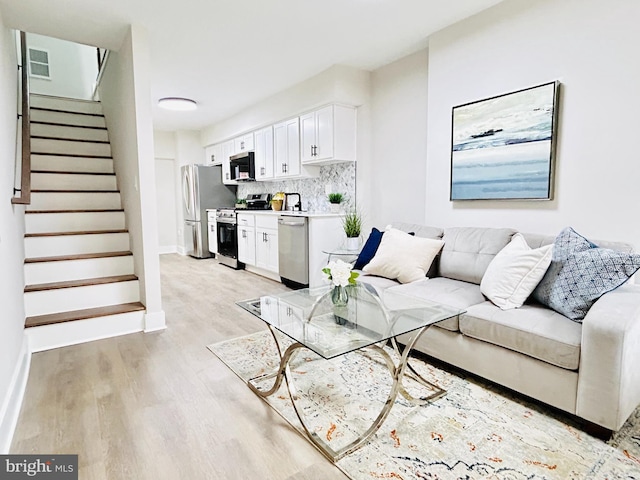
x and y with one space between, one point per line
341 177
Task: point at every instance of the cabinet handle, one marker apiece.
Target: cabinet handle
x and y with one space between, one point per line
213 158
227 176
311 146
262 171
242 145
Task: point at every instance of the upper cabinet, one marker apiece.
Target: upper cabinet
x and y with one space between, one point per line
213 154
263 153
328 135
286 148
243 143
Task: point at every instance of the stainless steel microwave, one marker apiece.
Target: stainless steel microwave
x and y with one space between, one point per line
243 167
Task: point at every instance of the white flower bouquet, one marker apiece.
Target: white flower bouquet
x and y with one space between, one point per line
340 274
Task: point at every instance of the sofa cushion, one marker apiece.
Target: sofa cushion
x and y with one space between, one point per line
468 251
369 249
532 330
379 283
402 256
424 231
515 272
580 273
446 291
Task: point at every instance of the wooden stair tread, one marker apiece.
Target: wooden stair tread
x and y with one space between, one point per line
79 283
85 232
82 256
58 124
74 155
84 210
75 191
71 172
81 140
57 110
61 317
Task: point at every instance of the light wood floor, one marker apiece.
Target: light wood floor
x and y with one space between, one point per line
160 405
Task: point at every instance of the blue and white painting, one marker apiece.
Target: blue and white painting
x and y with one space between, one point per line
502 147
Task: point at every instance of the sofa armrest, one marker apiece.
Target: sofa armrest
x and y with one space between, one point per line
609 374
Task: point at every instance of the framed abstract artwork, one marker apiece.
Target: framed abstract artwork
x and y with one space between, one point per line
502 148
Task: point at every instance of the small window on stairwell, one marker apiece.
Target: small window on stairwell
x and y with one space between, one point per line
39 63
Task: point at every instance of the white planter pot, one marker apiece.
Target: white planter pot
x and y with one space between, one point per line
353 243
335 207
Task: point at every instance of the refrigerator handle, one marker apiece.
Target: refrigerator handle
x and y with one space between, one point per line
197 244
186 191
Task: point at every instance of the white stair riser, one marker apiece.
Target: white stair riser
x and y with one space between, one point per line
56 163
75 244
74 200
66 118
63 270
59 335
67 147
62 181
73 222
62 131
79 298
66 104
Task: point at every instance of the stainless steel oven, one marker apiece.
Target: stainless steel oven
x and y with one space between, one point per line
227 230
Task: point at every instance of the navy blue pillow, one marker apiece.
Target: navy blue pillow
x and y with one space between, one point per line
370 248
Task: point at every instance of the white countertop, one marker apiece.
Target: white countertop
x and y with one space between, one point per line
289 213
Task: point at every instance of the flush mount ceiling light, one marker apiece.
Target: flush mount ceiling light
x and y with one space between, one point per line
177 103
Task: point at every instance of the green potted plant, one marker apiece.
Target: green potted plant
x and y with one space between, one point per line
241 203
352 225
335 199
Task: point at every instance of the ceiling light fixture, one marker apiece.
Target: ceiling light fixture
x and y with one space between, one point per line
177 103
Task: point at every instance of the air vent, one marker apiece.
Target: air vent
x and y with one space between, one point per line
39 63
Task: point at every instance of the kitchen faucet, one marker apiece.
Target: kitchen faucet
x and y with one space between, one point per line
295 206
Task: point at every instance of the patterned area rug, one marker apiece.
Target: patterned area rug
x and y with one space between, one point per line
476 431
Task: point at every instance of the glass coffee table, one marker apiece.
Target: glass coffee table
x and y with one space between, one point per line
369 320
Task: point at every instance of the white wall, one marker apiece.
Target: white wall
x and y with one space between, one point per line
13 353
591 48
126 100
166 203
398 141
73 68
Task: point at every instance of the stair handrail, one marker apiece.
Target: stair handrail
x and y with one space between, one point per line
22 195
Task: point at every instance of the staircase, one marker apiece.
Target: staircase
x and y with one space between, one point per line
79 270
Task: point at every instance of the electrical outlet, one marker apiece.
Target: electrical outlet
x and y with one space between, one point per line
328 189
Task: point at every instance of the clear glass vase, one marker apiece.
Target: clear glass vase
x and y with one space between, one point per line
339 296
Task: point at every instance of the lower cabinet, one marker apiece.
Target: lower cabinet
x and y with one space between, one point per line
267 242
258 241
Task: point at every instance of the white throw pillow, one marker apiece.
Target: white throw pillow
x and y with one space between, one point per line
403 257
515 272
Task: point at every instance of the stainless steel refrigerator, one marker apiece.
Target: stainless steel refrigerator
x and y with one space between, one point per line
202 188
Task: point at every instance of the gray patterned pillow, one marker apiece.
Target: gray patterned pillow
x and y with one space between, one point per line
580 273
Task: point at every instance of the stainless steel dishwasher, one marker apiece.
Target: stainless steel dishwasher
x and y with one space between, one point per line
293 250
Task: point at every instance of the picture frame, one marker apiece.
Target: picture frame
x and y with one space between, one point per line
503 147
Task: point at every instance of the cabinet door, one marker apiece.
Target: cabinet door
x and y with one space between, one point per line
247 245
243 143
307 136
267 249
263 146
324 134
287 148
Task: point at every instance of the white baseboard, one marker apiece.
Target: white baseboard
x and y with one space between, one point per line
48 337
264 273
12 403
182 250
154 321
168 249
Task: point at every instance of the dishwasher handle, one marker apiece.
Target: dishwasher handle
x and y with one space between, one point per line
291 223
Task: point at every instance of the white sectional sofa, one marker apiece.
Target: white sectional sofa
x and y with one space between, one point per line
588 369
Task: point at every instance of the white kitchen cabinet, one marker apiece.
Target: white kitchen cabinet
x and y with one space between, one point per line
226 150
263 148
246 239
267 242
243 143
213 154
286 152
328 135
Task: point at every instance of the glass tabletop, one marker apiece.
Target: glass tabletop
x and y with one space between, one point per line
309 317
